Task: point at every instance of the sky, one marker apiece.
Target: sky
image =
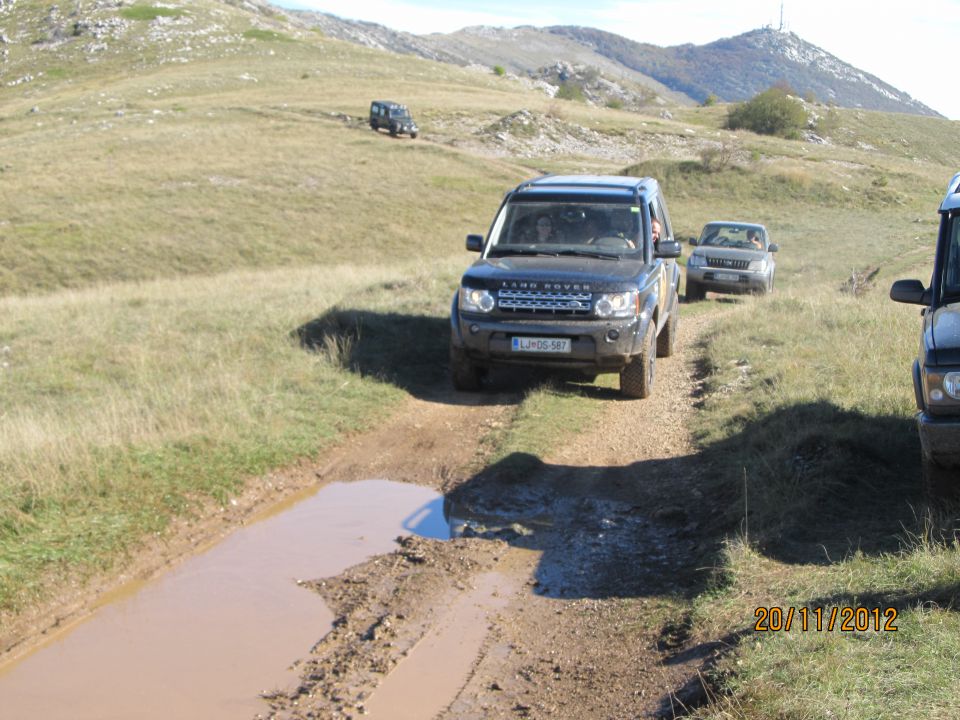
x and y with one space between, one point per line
907 45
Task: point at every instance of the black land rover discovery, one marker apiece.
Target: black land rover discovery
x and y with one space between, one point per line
570 277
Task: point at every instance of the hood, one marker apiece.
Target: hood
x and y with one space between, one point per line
944 330
561 273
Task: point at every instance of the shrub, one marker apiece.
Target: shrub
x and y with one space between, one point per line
570 91
710 100
772 112
499 70
615 104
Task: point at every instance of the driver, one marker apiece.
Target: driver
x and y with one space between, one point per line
753 238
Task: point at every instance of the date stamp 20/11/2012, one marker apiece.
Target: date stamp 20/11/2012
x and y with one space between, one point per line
820 619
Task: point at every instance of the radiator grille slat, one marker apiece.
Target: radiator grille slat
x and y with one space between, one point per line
553 303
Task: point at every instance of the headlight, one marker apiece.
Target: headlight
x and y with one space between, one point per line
758 265
476 300
621 304
951 383
696 261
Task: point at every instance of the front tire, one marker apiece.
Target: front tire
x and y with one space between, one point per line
695 291
939 483
637 378
413 136
667 338
464 373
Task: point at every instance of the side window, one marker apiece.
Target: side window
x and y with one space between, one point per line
951 272
667 230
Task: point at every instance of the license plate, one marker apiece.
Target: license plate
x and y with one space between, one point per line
726 276
541 345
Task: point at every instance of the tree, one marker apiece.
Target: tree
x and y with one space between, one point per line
772 112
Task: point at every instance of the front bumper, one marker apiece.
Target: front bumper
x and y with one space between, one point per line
940 438
730 281
597 346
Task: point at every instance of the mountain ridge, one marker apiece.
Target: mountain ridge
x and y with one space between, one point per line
730 69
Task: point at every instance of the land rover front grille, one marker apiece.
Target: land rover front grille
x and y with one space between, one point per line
536 301
727 263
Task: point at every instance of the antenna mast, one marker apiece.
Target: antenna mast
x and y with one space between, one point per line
781 15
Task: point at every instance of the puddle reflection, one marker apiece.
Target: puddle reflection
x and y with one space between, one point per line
206 638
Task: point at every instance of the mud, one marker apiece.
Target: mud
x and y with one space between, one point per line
225 625
556 598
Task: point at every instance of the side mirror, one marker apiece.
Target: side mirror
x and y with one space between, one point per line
474 243
773 247
910 291
692 241
667 249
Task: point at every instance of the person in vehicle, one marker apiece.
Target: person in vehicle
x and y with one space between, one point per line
753 238
545 231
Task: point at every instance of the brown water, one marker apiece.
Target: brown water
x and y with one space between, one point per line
429 678
205 639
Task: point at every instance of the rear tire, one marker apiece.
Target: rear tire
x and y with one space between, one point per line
694 291
464 373
637 378
668 336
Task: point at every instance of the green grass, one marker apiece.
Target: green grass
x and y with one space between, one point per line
266 35
149 12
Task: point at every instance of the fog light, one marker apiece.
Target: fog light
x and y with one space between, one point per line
936 395
474 329
613 335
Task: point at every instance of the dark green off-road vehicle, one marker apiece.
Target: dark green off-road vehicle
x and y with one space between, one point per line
936 371
571 277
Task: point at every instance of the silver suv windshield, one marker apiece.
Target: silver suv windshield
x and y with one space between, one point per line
732 236
559 228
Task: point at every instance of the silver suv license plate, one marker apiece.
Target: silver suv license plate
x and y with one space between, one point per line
541 345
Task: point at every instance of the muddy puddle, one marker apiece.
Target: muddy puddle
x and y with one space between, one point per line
207 638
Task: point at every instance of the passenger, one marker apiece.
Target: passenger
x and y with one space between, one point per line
655 230
545 232
753 237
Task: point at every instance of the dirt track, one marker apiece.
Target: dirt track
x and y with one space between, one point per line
570 567
562 596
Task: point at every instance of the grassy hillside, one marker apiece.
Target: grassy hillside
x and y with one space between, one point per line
172 224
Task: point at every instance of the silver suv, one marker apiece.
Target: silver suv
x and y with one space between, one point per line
731 257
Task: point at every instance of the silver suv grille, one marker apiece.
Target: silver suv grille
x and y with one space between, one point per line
728 263
535 301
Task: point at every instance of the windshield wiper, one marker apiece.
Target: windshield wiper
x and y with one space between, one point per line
590 254
500 252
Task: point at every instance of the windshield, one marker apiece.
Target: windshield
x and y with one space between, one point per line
559 228
733 236
400 113
951 269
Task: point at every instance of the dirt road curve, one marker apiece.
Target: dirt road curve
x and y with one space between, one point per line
555 601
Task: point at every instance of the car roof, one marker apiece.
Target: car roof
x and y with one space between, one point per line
736 223
613 187
952 199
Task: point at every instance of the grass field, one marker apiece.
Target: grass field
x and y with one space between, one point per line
174 232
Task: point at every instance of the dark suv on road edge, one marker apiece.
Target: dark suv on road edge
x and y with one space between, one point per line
936 371
392 116
569 278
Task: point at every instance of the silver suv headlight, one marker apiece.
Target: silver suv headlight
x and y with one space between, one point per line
758 265
621 304
696 261
951 383
476 300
